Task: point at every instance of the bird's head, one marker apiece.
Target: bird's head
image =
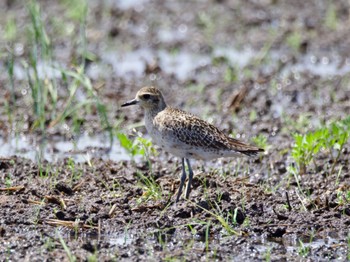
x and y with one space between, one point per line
149 98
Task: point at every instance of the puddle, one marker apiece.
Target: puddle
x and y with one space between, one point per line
119 239
125 65
44 70
115 239
235 57
81 149
325 66
133 64
128 4
183 64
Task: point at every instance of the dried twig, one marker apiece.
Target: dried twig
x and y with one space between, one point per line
13 188
29 201
76 187
56 200
111 211
69 224
236 98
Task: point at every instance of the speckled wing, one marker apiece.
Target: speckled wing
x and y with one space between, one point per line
194 131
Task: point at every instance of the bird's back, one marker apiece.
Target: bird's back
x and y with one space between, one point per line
188 136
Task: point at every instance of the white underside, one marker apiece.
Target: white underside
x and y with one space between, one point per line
183 150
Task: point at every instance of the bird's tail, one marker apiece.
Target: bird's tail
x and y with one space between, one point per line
244 148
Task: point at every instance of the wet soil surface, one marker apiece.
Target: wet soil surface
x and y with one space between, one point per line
250 67
101 208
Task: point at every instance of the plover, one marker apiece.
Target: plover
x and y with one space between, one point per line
185 135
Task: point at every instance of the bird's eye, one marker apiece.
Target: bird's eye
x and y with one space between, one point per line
146 96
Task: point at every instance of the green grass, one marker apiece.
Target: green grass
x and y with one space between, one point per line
219 216
49 244
348 249
69 254
140 146
8 181
294 40
231 75
151 189
331 20
76 173
303 250
261 141
10 33
48 108
267 255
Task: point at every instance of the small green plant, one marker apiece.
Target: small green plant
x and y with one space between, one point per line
75 9
196 88
10 29
49 244
75 172
231 75
234 216
331 17
299 125
145 146
140 146
343 197
253 115
268 254
306 146
93 257
41 50
206 22
44 171
339 136
151 189
128 145
36 214
8 181
331 138
261 141
71 257
294 40
303 250
9 105
246 222
217 214
348 251
207 234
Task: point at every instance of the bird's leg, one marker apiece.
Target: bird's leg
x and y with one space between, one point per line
190 176
182 181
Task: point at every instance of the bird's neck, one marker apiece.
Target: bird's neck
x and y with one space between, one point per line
151 113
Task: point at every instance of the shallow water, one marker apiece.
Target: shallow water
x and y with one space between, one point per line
80 149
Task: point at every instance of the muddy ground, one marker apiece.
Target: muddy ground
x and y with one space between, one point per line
270 68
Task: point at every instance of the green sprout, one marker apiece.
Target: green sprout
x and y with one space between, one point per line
331 138
140 146
303 250
261 141
151 189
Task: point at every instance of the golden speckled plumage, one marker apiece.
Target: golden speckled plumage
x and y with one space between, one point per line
184 134
191 130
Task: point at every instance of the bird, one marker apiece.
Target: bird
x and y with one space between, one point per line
185 135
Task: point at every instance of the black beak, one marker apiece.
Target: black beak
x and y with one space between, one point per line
130 103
